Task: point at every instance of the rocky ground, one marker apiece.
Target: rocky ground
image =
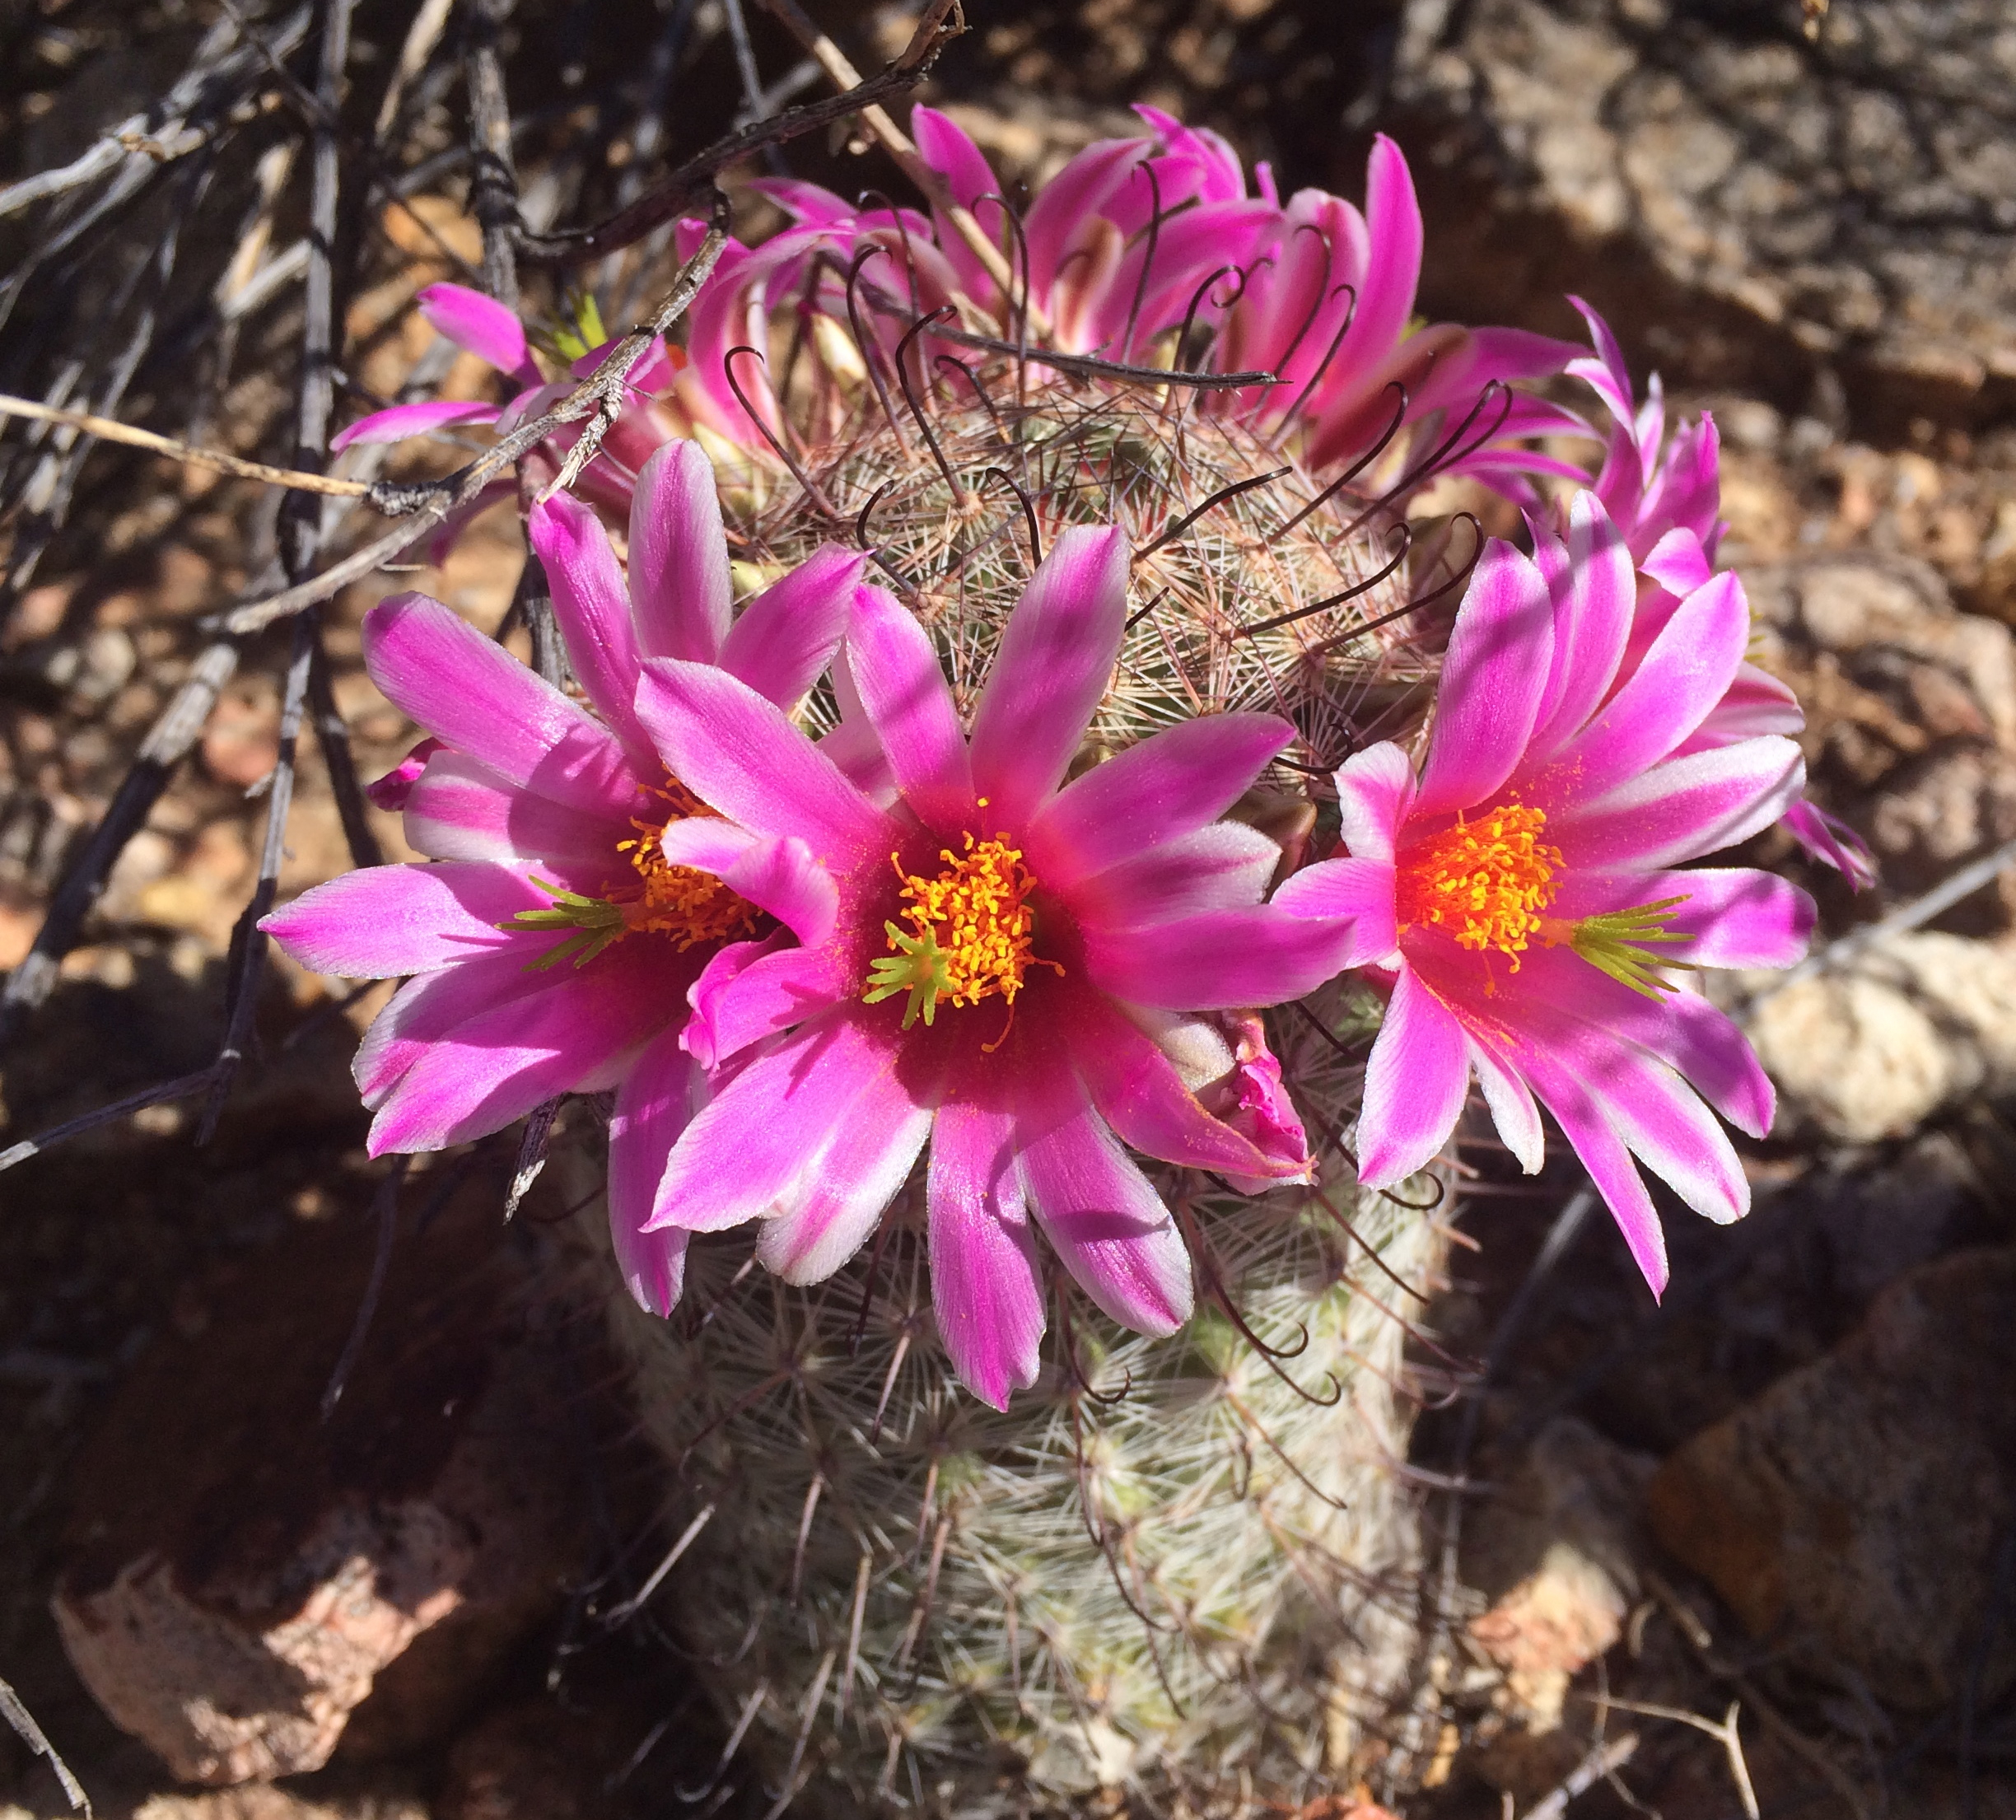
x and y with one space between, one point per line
1751 1552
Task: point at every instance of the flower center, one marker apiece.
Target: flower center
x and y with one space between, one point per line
1485 882
680 902
971 927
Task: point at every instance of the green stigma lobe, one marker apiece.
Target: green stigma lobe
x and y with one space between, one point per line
596 923
922 969
1620 942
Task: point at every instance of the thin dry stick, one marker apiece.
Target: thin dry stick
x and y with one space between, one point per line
301 533
421 36
1725 1734
110 432
600 398
1603 1760
494 191
164 131
385 1208
693 180
25 1728
183 1087
1701 1641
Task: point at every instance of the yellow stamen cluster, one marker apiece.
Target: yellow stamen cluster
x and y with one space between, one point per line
688 905
1485 882
679 901
971 927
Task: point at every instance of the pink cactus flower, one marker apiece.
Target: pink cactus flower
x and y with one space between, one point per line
553 943
1522 897
1664 496
976 963
1135 239
483 327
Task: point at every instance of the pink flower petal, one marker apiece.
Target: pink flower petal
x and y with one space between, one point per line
779 875
1136 1090
704 842
430 1008
1481 355
1359 894
472 692
737 751
678 557
838 1205
903 690
461 809
785 878
1594 593
384 920
1191 247
1735 918
1217 959
657 1100
1102 1214
390 791
1755 703
985 1289
948 151
482 326
1686 672
743 996
1666 1126
805 202
504 1061
1609 373
1678 562
1168 786
1682 808
1512 1108
1611 1170
858 756
1081 191
1502 640
1556 984
1375 791
1056 657
1262 1108
787 635
1829 839
1417 1079
591 604
759 1143
1688 493
1392 266
1224 866
396 423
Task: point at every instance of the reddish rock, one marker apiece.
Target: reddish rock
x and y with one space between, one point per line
246 1582
1853 1512
259 1802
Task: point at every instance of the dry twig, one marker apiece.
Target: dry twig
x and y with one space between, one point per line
298 479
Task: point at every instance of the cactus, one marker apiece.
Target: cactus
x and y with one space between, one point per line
1183 1565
